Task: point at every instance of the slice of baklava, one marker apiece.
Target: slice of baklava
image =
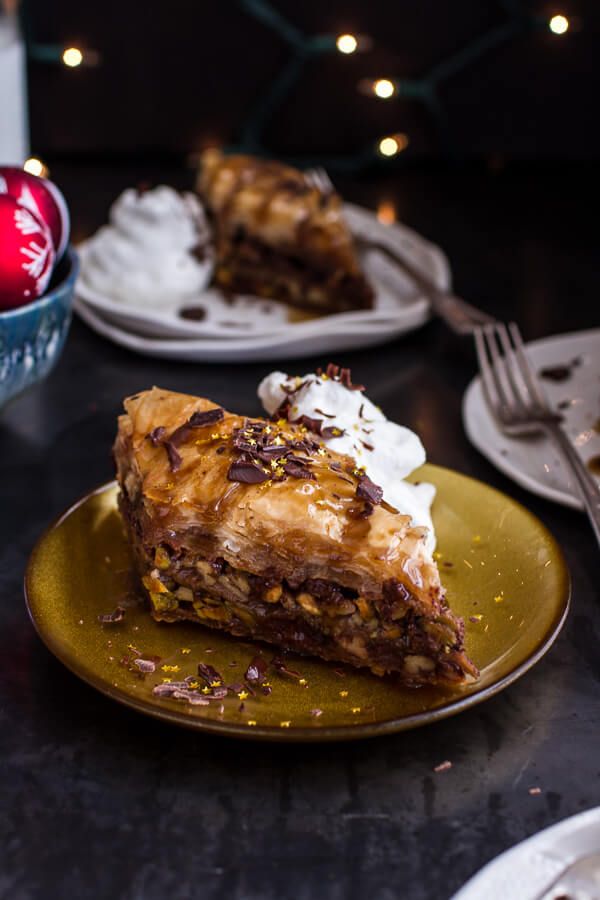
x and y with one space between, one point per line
255 527
277 236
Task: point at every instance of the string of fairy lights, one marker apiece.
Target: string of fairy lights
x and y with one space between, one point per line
303 48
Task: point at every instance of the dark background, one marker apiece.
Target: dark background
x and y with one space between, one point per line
96 802
175 77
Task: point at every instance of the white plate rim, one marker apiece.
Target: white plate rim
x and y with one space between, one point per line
549 840
474 395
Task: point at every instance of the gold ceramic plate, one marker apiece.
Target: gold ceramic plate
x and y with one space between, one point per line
503 570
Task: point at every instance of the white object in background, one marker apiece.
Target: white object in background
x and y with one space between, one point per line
534 869
572 366
14 138
251 328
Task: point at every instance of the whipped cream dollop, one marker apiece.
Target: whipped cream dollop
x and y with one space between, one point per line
153 253
386 451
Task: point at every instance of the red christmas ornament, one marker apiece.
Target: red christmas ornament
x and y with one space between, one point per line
26 254
42 198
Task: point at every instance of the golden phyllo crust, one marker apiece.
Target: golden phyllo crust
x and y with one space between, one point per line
257 528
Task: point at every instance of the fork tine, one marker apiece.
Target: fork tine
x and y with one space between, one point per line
498 367
487 376
525 367
326 182
520 388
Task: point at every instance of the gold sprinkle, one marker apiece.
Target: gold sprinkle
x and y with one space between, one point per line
243 695
476 538
193 684
499 599
282 422
186 650
268 429
266 684
251 722
324 377
214 436
206 689
285 724
167 680
356 709
547 563
478 617
279 441
215 683
343 693
166 668
467 563
321 451
437 554
302 681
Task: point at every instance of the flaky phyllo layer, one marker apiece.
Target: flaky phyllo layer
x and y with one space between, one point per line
257 528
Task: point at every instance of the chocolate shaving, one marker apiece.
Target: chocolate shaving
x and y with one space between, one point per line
366 490
175 459
297 470
367 446
209 674
327 415
256 671
279 665
196 420
361 512
310 423
146 666
179 690
331 431
336 373
156 435
112 618
246 472
218 693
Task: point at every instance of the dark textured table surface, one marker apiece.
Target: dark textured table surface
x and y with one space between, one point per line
99 802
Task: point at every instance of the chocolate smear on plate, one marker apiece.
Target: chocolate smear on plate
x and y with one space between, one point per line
193 313
560 372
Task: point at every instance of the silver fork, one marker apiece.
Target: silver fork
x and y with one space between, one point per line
459 315
517 402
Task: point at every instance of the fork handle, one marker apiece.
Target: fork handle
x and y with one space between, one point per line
588 487
459 315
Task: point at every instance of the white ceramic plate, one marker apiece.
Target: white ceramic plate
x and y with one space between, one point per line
287 345
532 461
534 869
250 328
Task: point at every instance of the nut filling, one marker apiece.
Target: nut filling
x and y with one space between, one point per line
317 617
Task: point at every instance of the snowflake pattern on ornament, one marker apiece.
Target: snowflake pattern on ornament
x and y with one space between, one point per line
38 259
26 223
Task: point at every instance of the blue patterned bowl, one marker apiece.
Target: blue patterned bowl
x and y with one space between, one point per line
32 336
